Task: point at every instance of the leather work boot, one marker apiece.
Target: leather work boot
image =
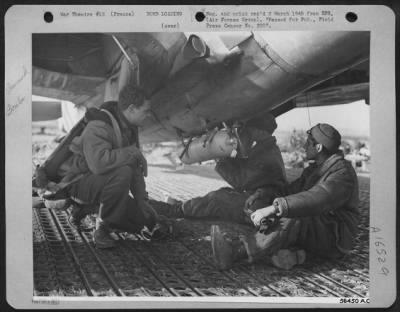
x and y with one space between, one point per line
225 253
102 238
287 259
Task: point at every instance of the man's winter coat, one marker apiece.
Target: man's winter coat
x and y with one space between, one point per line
327 196
97 150
263 168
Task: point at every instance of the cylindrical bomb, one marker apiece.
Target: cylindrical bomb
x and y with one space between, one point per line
222 144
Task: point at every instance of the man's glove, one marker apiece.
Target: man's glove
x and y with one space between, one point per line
164 228
268 224
260 214
250 207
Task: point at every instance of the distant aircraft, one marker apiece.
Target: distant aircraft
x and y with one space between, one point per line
200 81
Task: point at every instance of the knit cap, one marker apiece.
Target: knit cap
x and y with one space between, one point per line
326 135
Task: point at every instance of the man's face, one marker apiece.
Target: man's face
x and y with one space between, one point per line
310 148
136 115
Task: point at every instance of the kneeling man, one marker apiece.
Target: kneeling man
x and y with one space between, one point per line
110 165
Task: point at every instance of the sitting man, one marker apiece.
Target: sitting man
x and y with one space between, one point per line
108 159
256 179
318 212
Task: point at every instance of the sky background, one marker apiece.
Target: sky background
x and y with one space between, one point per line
349 119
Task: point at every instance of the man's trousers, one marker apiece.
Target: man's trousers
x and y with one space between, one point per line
111 191
314 234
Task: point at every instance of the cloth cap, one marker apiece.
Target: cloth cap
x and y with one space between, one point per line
326 135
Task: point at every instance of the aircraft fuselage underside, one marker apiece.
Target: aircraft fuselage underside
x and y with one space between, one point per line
197 81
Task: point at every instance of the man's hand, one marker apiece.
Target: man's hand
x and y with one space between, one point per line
141 161
149 211
143 164
262 213
250 201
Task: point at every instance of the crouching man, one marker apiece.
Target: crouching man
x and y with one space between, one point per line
111 166
317 214
262 172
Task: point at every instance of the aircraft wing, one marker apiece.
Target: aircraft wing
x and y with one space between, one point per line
199 80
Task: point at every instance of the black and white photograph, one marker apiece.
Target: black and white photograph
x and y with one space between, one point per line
226 164
179 179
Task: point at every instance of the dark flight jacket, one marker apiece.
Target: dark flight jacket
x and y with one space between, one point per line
96 150
328 196
264 168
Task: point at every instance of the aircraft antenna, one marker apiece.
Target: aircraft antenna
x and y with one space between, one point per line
308 112
135 66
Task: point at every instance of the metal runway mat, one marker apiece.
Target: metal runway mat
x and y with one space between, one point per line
66 263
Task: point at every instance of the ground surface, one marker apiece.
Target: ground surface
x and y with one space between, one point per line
67 264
